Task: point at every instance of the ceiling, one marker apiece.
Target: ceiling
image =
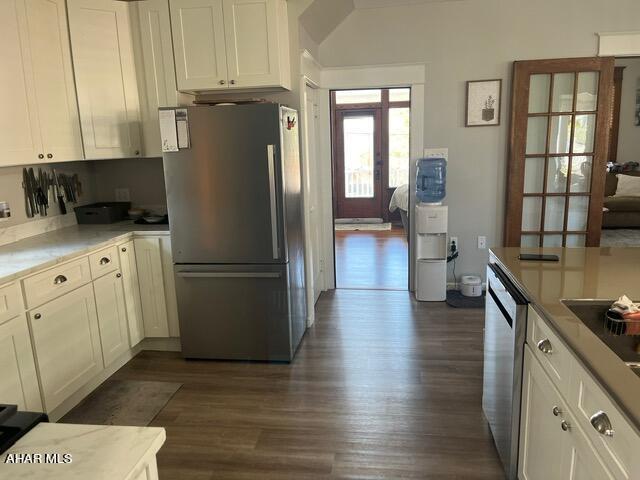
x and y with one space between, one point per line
361 4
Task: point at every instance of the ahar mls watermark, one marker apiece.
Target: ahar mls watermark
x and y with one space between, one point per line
38 458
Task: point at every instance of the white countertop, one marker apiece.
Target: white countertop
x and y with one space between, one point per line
97 452
35 253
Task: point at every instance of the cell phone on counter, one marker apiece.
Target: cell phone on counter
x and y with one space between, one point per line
537 257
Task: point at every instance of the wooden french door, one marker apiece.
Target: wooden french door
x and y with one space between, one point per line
358 163
560 112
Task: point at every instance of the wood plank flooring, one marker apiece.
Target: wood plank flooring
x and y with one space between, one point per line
372 259
382 387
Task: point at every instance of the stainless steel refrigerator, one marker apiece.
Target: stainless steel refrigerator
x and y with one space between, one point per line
235 214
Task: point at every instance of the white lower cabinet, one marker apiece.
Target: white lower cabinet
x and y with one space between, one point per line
112 316
131 292
152 286
552 446
66 341
18 380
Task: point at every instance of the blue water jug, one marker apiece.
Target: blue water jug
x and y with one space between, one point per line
431 180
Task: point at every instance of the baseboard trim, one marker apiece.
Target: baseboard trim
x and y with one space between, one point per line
170 344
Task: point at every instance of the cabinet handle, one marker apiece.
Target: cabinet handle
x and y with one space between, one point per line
222 82
124 249
60 279
545 346
37 316
556 411
40 156
104 261
232 82
565 426
118 275
600 421
49 155
137 152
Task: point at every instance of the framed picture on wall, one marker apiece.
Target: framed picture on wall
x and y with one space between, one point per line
483 103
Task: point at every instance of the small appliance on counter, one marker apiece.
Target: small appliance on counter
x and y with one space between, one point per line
103 212
14 424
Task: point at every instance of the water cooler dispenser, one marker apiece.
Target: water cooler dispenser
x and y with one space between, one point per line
431 231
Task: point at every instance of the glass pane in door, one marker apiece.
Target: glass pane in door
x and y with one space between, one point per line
557 174
358 96
554 214
539 93
534 175
587 100
359 137
398 146
560 136
562 92
536 135
584 133
581 174
578 213
531 213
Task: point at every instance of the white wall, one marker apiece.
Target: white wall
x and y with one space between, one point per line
629 133
472 40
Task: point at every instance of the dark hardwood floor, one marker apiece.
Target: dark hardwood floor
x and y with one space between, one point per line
372 259
382 388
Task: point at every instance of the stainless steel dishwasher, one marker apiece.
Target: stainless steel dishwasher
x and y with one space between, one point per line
504 337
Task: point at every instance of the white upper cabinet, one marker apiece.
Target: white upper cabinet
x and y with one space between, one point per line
199 44
105 78
230 44
40 123
157 75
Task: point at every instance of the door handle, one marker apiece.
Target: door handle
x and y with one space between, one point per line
228 274
271 154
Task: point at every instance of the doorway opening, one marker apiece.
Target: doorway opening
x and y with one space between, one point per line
370 166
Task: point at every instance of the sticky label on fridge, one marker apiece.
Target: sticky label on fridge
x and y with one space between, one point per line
168 130
182 126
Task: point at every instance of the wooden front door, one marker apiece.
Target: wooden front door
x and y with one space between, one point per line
358 163
558 152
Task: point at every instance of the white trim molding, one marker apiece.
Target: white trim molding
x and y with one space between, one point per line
373 76
618 44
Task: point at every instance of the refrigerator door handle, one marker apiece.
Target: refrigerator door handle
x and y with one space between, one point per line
272 200
229 274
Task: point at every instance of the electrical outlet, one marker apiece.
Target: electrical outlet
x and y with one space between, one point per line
482 242
453 240
123 195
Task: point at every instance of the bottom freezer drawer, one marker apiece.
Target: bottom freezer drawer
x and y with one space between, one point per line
234 312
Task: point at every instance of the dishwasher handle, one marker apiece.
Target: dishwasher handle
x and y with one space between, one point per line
508 285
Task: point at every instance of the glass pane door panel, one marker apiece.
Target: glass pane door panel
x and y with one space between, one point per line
530 241
581 174
578 213
575 240
399 94
562 92
398 146
557 174
536 135
531 213
359 137
552 241
358 96
587 100
584 133
533 175
554 214
539 93
560 136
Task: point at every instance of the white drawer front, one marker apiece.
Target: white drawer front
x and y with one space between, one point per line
619 449
555 357
104 261
56 281
11 304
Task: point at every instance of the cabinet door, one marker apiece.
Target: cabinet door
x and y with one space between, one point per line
112 316
199 44
18 382
105 78
543 443
151 279
160 89
254 53
131 292
55 91
66 341
20 140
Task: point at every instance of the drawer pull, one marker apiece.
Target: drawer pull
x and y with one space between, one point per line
118 275
556 411
124 249
545 346
565 426
600 421
37 316
104 261
59 280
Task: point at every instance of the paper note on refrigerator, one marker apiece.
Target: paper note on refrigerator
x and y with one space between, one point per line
168 130
182 125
